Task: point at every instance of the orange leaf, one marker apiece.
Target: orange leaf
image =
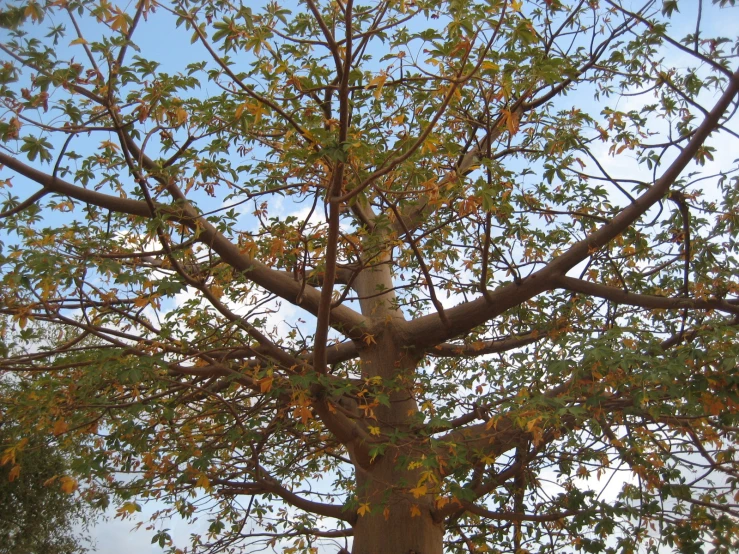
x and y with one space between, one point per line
217 291
68 484
511 121
14 473
415 510
304 413
50 481
265 384
418 492
60 426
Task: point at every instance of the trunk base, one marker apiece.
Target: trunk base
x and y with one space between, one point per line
399 533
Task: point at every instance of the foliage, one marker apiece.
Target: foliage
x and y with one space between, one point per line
41 512
438 275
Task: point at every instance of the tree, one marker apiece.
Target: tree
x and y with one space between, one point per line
441 276
40 512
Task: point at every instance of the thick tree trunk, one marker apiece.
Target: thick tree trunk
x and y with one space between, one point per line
393 520
398 523
398 535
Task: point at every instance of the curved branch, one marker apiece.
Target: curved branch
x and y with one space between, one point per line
620 296
35 197
282 284
269 485
516 516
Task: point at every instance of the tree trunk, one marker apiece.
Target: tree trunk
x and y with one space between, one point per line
391 519
396 521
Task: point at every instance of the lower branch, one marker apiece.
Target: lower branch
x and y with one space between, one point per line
269 485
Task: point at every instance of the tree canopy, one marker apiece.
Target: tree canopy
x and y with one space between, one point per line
437 275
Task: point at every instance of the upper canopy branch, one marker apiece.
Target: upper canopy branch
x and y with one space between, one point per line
429 330
416 212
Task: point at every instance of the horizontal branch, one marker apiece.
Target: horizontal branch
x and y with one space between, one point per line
493 440
515 516
621 296
269 485
494 346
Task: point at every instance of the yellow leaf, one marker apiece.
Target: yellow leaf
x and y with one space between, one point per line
418 492
363 508
109 144
511 121
487 459
488 65
129 508
203 481
428 475
66 206
532 423
34 11
492 423
257 109
415 510
68 484
516 5
377 82
374 430
79 40
119 22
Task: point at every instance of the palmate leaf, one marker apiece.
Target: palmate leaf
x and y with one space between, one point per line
37 148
